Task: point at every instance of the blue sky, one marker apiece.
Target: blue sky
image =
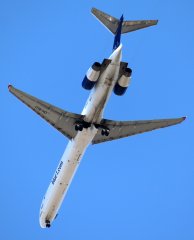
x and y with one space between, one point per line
140 187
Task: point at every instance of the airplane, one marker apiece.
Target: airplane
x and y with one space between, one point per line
89 127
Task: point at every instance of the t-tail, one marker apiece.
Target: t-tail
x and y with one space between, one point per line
119 26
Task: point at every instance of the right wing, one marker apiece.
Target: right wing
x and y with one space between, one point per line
121 129
62 120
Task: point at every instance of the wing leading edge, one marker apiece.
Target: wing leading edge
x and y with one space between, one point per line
62 120
121 129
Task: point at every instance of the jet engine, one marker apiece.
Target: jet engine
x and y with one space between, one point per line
123 82
92 76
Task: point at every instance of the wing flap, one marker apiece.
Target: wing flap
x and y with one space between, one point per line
62 120
121 129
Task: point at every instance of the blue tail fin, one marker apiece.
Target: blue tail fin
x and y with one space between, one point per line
117 38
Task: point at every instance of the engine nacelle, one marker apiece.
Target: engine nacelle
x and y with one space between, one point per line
123 82
92 76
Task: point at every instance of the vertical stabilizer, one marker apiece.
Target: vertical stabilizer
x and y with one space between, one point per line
117 39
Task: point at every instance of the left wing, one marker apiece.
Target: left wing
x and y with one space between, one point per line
62 120
121 129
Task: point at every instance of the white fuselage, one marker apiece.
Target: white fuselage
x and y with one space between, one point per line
76 147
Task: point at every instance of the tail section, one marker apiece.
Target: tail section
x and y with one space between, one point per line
119 26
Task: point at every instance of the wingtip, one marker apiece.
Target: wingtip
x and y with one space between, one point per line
94 10
184 118
9 87
153 22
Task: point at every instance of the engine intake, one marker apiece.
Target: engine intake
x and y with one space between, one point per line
123 82
92 76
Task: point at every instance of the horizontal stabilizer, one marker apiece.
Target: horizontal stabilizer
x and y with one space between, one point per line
121 129
62 120
112 23
129 26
